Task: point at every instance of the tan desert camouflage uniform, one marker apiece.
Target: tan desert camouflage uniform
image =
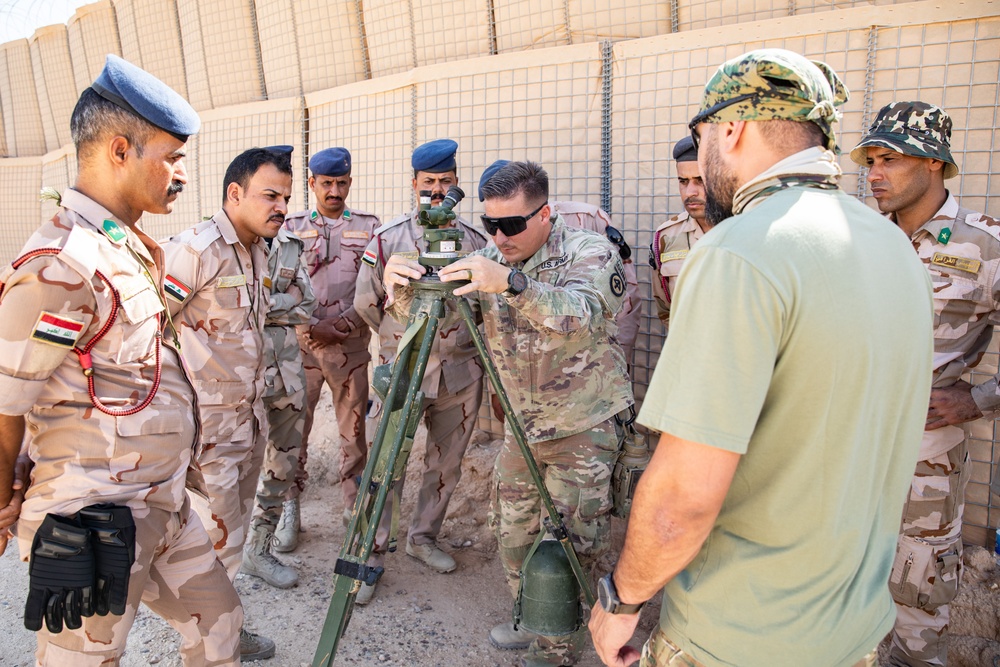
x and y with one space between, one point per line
215 291
333 250
84 456
291 304
675 239
557 354
961 249
452 382
587 216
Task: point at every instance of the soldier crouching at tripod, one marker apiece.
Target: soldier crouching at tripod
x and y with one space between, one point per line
549 295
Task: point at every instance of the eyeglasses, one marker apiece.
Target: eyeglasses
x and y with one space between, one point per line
711 111
510 225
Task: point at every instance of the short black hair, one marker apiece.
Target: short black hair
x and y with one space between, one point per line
793 134
95 119
249 162
528 178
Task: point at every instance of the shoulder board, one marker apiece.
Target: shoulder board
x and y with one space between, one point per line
982 222
395 222
358 212
670 222
203 235
297 215
80 250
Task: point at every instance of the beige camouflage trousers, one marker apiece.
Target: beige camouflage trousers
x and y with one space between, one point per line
286 417
658 651
224 485
347 377
928 564
450 420
577 473
177 575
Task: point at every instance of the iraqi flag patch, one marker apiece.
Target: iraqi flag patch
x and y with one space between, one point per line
57 330
369 257
175 288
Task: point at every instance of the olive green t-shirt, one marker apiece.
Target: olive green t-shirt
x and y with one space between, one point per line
801 339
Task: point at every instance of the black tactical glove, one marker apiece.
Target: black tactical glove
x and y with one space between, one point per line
113 532
61 575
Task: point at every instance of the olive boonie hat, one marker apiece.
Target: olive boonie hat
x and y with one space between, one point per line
774 84
911 128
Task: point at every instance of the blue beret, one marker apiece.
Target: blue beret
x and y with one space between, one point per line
283 149
331 162
684 150
138 91
435 156
488 174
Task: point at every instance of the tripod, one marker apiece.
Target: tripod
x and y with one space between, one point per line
399 389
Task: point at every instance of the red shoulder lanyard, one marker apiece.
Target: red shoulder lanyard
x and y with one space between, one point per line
83 354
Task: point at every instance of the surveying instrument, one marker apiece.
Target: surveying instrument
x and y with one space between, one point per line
398 386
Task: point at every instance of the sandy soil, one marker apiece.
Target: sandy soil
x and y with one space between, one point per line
419 617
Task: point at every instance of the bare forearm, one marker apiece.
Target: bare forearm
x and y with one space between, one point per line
11 436
675 507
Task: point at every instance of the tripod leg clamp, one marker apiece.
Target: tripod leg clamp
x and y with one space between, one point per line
360 571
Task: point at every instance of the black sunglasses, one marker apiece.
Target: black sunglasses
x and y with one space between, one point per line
711 111
510 225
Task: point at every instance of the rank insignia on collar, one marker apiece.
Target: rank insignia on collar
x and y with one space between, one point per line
347 214
113 231
314 215
944 236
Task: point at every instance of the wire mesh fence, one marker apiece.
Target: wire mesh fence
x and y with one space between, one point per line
93 33
600 108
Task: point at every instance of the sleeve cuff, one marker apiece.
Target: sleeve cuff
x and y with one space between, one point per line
986 397
17 396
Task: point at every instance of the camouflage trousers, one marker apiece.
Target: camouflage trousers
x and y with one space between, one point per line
577 473
928 564
347 377
176 575
286 418
451 420
658 651
223 485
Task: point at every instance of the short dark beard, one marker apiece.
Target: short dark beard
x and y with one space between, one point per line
720 183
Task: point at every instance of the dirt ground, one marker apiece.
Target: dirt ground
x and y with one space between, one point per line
420 618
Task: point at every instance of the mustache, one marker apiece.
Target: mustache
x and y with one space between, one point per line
175 188
280 219
694 200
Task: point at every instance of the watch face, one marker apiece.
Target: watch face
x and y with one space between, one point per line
604 594
518 282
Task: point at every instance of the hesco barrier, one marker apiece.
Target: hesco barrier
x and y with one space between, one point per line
597 95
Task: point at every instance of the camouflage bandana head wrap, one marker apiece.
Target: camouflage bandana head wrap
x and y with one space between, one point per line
774 84
911 128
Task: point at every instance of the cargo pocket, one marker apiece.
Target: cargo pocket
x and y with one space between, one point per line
149 444
225 411
922 578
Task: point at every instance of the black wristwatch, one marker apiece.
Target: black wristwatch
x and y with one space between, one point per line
607 595
517 282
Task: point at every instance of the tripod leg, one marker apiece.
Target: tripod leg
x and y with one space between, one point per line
555 525
398 425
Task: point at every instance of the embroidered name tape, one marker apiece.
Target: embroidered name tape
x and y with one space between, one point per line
355 234
308 234
231 281
57 330
674 254
286 273
960 263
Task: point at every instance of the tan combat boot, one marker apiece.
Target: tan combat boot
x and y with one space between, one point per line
258 561
286 535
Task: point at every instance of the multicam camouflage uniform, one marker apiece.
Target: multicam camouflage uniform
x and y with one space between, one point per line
961 249
674 239
84 456
332 255
291 304
215 291
588 216
452 383
555 347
